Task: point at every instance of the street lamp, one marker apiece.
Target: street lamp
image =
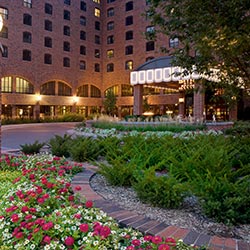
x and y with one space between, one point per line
1 47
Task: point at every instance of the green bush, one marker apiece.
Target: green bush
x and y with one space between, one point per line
60 145
84 149
224 200
239 128
32 148
163 191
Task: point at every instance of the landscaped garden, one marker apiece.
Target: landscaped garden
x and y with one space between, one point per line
39 210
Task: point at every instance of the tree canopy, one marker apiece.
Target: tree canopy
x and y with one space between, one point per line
212 34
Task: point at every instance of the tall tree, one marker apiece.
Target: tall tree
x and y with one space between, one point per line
212 34
109 103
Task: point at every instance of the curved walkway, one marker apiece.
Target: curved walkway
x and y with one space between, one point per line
146 225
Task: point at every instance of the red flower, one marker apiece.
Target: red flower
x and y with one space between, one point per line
89 204
25 209
164 247
78 188
47 226
148 237
136 242
69 241
130 248
156 239
28 217
19 235
105 232
84 228
40 200
71 198
78 216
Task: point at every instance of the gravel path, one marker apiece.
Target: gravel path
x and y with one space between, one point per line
190 216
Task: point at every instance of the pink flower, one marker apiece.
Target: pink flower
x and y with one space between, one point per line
84 228
71 198
46 239
148 237
171 241
130 248
14 218
156 240
89 204
136 242
78 216
69 241
24 209
47 226
105 232
164 247
19 235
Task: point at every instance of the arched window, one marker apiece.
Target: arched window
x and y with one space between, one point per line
64 89
23 86
82 90
6 84
127 90
48 88
114 89
94 91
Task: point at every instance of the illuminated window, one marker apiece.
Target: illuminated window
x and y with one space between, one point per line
27 3
97 12
110 53
23 86
97 1
4 13
113 89
6 84
4 32
127 90
173 42
97 53
129 65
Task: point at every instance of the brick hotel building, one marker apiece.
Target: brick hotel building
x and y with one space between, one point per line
62 56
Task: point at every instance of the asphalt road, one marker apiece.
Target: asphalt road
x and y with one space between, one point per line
15 135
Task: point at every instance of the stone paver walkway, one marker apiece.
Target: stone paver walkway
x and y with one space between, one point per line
149 226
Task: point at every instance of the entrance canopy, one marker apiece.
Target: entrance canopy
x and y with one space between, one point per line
161 70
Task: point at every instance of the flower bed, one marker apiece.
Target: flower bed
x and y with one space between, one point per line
38 210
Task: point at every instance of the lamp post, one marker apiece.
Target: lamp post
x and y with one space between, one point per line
1 26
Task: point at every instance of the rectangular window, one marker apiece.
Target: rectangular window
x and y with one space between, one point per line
27 3
47 59
83 6
110 25
66 62
26 55
97 53
66 46
83 20
6 83
97 12
110 53
48 42
66 30
110 39
110 1
110 12
110 67
97 67
4 51
27 37
97 1
66 15
129 20
48 8
97 25
97 40
82 35
129 35
173 42
27 19
67 2
150 46
48 25
4 13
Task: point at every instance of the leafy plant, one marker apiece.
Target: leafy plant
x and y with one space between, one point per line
84 149
32 148
60 145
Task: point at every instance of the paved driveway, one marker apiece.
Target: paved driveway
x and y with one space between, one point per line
15 135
